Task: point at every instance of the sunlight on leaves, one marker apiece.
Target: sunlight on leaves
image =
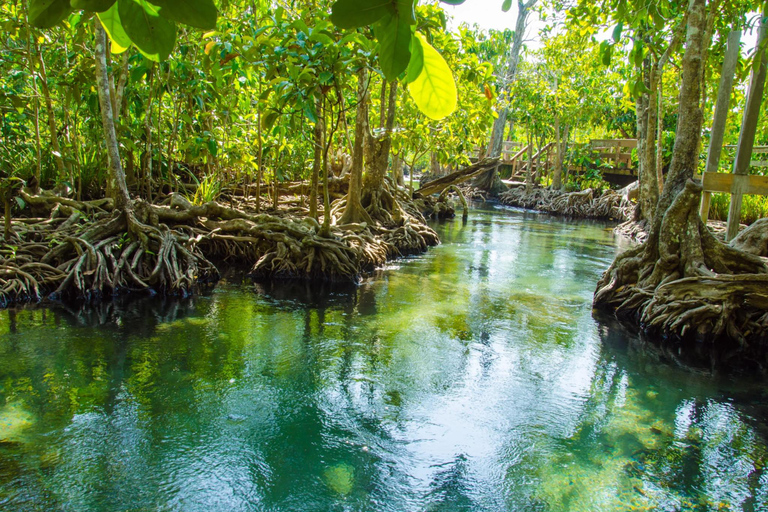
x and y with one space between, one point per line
434 89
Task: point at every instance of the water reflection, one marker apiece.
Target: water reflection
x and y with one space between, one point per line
470 378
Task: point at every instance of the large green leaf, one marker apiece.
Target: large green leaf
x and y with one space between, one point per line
359 13
152 34
394 35
195 13
417 60
92 5
47 13
406 9
110 20
434 90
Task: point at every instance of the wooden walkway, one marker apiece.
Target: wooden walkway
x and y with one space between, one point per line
615 155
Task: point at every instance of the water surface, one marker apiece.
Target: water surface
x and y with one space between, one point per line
472 378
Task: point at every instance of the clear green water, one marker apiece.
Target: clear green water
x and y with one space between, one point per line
473 378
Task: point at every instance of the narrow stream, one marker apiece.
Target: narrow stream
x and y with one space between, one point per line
472 378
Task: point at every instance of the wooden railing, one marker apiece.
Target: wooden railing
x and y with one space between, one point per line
616 152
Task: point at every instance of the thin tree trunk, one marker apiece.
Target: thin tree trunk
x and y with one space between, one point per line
529 168
36 104
490 181
354 211
57 154
319 131
147 167
259 158
117 187
558 172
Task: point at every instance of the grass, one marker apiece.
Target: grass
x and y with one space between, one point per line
752 207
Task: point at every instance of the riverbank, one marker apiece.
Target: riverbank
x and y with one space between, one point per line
63 249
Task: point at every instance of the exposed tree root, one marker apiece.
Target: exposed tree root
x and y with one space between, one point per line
687 284
609 205
87 250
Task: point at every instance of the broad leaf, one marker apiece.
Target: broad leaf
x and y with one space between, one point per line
92 5
195 13
617 32
394 35
506 6
417 60
153 35
452 2
606 50
434 90
406 9
110 20
360 13
47 13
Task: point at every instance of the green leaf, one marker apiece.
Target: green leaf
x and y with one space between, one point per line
506 6
47 13
394 35
20 202
434 90
269 120
309 112
406 9
92 5
153 35
605 53
417 60
195 13
617 32
110 20
452 2
360 13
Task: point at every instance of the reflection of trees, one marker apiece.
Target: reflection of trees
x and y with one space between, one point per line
411 389
643 440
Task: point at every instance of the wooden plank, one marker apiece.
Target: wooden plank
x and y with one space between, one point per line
612 143
725 183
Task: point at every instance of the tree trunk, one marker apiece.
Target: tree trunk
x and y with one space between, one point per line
353 211
117 185
529 167
557 174
490 181
63 166
647 106
682 280
316 162
36 104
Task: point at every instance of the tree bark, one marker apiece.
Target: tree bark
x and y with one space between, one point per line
117 185
490 181
354 211
316 162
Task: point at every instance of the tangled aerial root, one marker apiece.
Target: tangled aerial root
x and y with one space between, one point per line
90 251
608 205
686 284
